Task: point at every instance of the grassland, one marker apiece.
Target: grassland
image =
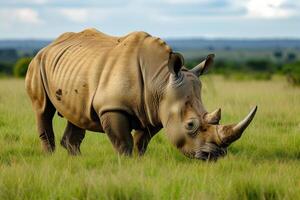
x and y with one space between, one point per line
263 164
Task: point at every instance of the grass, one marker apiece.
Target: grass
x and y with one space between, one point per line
263 164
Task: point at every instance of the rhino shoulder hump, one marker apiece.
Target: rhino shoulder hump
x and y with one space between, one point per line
136 36
158 44
64 37
141 34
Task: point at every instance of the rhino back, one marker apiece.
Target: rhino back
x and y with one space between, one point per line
76 65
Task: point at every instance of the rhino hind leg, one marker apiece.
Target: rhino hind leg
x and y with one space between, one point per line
72 138
45 127
117 127
42 106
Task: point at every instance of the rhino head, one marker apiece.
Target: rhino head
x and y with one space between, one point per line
196 133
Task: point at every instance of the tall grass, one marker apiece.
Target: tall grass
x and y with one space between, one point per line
263 164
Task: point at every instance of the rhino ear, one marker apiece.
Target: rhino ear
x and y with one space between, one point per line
175 63
204 65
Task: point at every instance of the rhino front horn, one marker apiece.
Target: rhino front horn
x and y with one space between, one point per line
234 132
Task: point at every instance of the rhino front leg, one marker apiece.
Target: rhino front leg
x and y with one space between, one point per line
142 138
72 138
117 127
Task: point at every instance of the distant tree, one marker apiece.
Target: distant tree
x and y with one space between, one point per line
227 48
222 66
291 57
211 48
26 54
6 68
292 71
260 65
21 66
8 55
278 54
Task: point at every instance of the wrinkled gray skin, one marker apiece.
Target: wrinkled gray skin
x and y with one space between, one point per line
119 84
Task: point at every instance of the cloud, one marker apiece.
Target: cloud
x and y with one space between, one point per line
78 15
27 15
268 9
21 15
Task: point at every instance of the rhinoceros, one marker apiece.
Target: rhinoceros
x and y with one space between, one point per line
116 85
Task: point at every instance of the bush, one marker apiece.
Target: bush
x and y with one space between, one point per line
291 57
6 68
21 66
262 65
223 66
292 72
248 76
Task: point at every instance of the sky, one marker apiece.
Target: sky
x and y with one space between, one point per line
47 19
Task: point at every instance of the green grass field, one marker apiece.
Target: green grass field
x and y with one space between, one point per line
263 164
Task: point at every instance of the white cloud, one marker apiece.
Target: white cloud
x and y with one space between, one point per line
267 9
75 14
25 15
14 20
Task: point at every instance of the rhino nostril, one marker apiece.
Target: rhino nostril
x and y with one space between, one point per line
203 155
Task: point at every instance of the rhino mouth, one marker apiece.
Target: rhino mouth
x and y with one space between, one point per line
210 152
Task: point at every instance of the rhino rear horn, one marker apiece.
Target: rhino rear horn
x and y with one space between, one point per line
204 65
213 117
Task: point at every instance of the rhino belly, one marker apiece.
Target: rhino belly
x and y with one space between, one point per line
71 88
74 104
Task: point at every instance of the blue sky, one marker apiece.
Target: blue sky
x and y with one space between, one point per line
164 18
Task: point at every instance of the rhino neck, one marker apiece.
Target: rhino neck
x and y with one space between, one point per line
155 80
153 59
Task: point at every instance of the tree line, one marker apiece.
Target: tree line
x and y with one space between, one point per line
257 68
14 63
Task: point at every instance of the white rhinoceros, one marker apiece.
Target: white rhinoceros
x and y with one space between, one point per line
119 84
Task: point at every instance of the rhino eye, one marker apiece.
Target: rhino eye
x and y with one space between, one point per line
191 126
